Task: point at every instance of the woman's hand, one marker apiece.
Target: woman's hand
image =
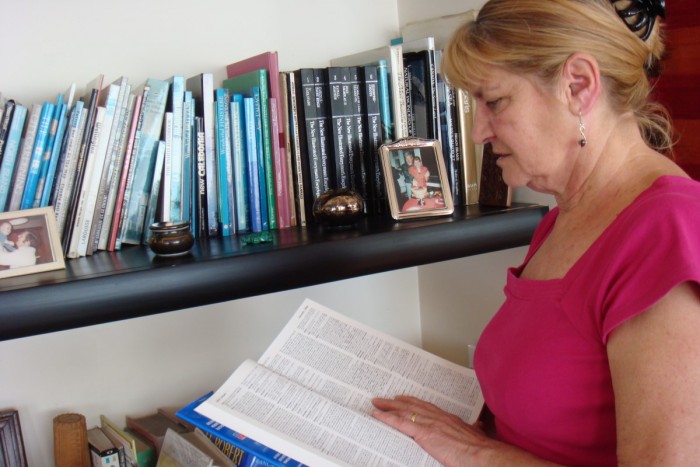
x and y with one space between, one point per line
446 437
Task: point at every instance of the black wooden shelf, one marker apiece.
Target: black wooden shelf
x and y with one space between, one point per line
112 286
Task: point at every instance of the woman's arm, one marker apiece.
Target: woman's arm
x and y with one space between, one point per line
655 366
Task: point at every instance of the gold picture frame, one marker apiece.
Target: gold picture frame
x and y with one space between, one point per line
29 242
416 179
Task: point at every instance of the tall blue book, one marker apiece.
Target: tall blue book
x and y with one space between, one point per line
262 186
252 172
187 152
255 454
176 103
238 154
224 162
9 158
143 163
37 158
44 195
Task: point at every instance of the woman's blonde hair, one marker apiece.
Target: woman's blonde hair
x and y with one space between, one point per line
536 37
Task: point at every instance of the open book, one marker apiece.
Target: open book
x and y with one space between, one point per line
309 395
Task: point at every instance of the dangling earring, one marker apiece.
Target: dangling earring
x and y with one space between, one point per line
581 128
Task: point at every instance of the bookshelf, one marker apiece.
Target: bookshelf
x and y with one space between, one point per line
134 282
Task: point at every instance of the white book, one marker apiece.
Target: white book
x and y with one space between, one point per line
168 162
108 166
318 378
66 179
79 217
119 158
441 28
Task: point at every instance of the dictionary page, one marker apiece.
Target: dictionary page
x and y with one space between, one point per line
351 363
304 425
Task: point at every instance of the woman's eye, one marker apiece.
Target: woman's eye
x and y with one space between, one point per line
492 104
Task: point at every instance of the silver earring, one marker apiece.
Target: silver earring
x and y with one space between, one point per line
581 128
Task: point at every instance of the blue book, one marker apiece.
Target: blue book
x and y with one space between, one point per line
252 172
238 150
37 157
176 106
155 188
187 151
224 163
9 158
262 186
254 453
143 161
385 101
48 177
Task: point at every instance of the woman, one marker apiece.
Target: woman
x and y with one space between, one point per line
594 357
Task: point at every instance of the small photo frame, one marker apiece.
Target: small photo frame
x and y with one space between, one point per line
416 179
12 451
29 242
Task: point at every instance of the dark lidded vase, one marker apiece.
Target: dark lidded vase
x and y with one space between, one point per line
170 239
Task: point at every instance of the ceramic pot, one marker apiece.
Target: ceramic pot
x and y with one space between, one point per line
170 239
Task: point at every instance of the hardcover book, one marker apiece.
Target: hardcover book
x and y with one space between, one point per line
337 113
103 453
376 201
37 161
315 410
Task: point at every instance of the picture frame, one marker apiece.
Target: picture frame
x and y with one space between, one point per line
29 242
427 193
12 451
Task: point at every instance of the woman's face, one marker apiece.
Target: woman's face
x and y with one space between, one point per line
6 228
529 127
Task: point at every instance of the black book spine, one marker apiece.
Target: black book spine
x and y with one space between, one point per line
201 207
376 204
321 93
307 96
359 135
337 118
5 125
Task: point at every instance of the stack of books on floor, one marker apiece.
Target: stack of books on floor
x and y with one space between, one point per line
249 154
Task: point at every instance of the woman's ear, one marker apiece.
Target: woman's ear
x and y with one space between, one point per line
581 77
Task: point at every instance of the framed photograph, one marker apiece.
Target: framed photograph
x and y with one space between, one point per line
29 242
416 179
11 445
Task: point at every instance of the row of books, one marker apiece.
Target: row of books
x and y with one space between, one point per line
250 154
166 439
